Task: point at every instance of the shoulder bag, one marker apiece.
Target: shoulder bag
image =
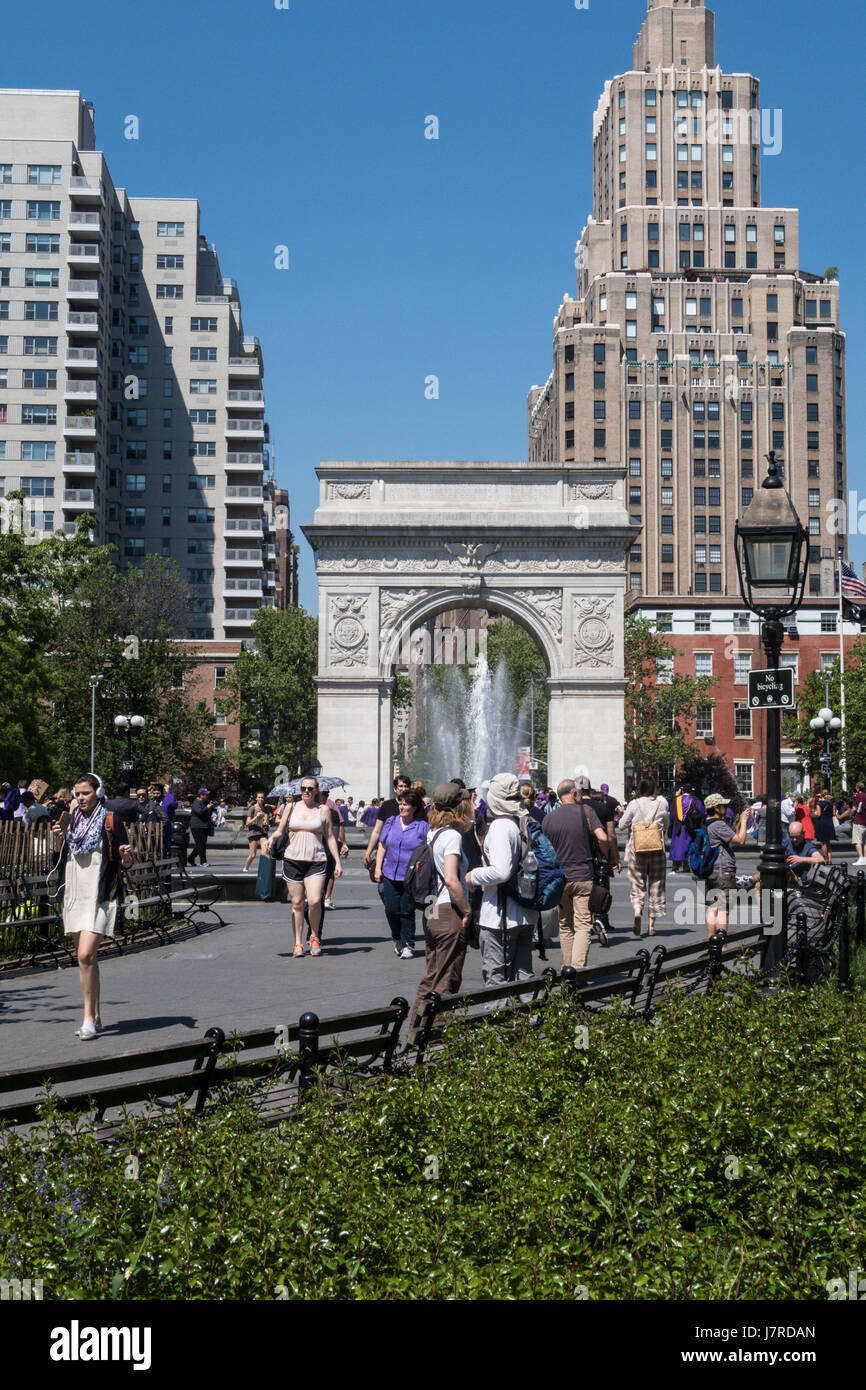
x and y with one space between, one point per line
647 836
600 897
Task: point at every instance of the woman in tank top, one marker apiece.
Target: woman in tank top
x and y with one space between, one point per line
309 827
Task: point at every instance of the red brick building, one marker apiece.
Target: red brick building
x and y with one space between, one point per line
725 643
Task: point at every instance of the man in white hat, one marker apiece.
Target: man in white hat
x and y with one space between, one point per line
505 926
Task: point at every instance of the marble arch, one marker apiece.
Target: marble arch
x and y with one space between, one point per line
543 542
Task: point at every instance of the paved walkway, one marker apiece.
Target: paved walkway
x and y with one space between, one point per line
243 976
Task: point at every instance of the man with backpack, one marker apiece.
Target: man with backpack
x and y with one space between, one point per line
569 829
724 840
505 923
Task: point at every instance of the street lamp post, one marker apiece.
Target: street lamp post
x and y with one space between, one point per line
770 543
629 778
129 724
94 682
826 723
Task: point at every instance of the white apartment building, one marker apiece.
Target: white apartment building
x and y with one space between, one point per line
129 390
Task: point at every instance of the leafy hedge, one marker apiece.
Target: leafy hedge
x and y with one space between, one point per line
720 1153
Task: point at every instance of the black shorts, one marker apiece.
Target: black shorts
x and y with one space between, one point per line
296 870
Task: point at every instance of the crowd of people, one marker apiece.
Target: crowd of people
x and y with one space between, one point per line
477 843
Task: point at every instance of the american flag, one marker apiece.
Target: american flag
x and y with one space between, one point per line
852 587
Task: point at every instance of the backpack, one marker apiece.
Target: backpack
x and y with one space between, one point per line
693 817
422 880
702 857
546 881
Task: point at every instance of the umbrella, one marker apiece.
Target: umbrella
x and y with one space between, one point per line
293 788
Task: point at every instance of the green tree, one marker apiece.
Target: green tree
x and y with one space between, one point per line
273 690
122 628
510 643
658 703
37 578
851 743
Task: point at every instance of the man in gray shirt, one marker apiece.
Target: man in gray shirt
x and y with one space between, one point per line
722 880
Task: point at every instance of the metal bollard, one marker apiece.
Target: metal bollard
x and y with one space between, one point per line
715 946
308 1050
860 913
568 976
844 982
802 949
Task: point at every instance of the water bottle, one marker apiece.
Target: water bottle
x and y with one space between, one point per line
527 877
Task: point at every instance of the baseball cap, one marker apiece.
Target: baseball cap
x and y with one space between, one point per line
203 791
716 800
604 787
448 795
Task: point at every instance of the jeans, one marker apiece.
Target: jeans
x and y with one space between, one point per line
398 910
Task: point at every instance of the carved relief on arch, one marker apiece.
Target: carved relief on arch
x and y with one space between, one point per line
593 634
547 604
348 636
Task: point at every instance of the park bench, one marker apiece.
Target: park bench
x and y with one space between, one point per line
278 1067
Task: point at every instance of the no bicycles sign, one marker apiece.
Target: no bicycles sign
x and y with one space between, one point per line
771 689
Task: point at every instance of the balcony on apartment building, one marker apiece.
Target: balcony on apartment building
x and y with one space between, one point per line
243 588
254 427
84 253
244 493
243 616
85 224
86 190
78 499
245 400
245 366
244 526
84 359
80 425
80 463
245 463
78 322
80 392
86 290
243 556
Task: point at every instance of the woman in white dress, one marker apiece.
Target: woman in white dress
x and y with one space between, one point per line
91 852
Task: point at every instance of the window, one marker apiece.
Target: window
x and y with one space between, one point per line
38 414
136 482
199 480
5 173
598 410
43 212
169 291
37 449
704 723
653 231
667 526
32 379
703 664
814 526
700 554
634 468
742 720
42 279
36 309
37 487
667 554
828 661
664 622
634 410
650 125
715 583
747 494
136 419
667 497
700 582
703 618
742 667
700 497
666 410
199 547
631 328
650 152
664 670
209 354
666 468
715 554
203 386
133 516
169 229
812 359
199 516
202 450
828 622
649 97
219 714
200 576
634 439
715 525
169 262
139 325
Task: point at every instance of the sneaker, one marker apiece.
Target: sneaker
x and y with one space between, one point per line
315 948
329 905
87 1030
397 950
407 953
299 950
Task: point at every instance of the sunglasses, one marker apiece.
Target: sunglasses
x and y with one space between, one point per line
309 789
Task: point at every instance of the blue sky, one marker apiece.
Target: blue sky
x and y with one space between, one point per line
305 127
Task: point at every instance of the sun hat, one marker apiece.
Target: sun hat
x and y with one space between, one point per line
716 800
503 797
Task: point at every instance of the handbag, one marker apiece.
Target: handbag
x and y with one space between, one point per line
647 836
600 896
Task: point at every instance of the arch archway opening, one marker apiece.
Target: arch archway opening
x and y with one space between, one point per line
470 697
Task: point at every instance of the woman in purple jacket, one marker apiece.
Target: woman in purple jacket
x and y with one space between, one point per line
401 836
681 835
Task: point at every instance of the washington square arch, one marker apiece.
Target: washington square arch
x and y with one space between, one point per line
542 543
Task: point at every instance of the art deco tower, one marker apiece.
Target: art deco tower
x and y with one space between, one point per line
696 343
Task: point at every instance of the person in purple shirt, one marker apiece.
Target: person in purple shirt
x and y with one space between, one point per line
401 836
367 814
169 805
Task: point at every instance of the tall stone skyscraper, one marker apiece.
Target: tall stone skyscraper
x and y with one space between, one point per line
696 343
